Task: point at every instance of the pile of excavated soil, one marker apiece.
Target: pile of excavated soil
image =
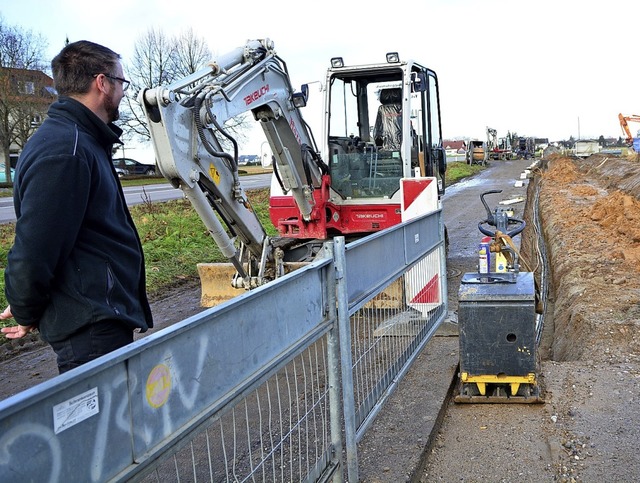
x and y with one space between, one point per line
591 222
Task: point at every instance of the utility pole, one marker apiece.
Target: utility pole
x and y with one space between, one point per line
578 128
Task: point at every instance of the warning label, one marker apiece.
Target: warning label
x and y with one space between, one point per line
75 410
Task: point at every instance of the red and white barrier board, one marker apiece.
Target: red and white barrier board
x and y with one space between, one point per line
422 283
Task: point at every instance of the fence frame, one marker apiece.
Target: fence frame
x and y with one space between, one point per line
125 411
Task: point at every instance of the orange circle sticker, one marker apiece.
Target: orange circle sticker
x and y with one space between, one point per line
158 386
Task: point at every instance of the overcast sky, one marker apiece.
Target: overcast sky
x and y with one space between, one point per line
540 68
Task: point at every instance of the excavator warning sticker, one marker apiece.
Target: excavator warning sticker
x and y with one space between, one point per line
158 386
215 176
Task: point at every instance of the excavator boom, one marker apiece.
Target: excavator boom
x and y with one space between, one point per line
187 124
624 120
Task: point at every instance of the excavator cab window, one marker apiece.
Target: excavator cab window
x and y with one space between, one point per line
387 131
383 126
365 135
436 161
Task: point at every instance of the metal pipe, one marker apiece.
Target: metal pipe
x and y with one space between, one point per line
349 405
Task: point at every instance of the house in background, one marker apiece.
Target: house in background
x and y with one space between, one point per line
455 147
25 96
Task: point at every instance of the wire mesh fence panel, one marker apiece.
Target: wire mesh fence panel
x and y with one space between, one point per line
390 328
264 405
278 433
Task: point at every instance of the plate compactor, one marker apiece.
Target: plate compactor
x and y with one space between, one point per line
497 320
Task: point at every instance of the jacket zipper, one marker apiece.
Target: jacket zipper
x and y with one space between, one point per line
110 285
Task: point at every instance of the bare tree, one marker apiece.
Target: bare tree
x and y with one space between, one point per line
192 54
21 49
158 60
25 91
152 65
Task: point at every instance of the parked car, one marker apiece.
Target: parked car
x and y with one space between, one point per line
121 172
3 174
133 167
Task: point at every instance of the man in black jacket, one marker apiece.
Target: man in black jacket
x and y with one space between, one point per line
76 269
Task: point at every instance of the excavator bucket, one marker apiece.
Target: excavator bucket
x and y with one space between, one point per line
390 298
215 281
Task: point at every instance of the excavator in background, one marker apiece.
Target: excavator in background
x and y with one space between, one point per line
492 139
381 132
498 148
526 148
624 120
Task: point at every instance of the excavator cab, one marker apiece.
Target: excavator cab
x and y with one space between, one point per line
383 125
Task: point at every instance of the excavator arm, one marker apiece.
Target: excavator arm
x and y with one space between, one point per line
624 120
187 124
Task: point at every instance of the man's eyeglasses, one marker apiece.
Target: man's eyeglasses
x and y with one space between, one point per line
125 83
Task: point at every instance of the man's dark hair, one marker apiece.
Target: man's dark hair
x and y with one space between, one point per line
76 65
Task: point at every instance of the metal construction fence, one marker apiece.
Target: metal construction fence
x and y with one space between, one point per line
277 384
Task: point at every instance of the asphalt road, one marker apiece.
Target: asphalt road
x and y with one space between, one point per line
146 193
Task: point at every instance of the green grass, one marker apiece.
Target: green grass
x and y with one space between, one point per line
459 171
142 180
175 240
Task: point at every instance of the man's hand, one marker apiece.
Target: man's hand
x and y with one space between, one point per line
6 313
17 331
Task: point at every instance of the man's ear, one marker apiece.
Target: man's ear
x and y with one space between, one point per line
100 82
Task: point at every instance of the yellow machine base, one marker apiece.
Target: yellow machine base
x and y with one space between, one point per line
499 389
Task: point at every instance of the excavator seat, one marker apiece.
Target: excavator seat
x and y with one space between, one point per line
387 132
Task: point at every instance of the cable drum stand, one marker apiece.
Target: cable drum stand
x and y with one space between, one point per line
496 320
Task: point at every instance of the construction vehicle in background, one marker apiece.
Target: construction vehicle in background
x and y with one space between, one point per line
492 139
624 125
477 152
381 149
526 148
583 148
498 148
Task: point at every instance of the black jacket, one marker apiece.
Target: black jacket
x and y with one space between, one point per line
77 258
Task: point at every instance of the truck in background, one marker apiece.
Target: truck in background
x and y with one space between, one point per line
477 152
585 148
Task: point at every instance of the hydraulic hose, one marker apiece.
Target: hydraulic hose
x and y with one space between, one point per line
205 142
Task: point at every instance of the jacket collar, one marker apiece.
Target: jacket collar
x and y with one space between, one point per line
106 134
